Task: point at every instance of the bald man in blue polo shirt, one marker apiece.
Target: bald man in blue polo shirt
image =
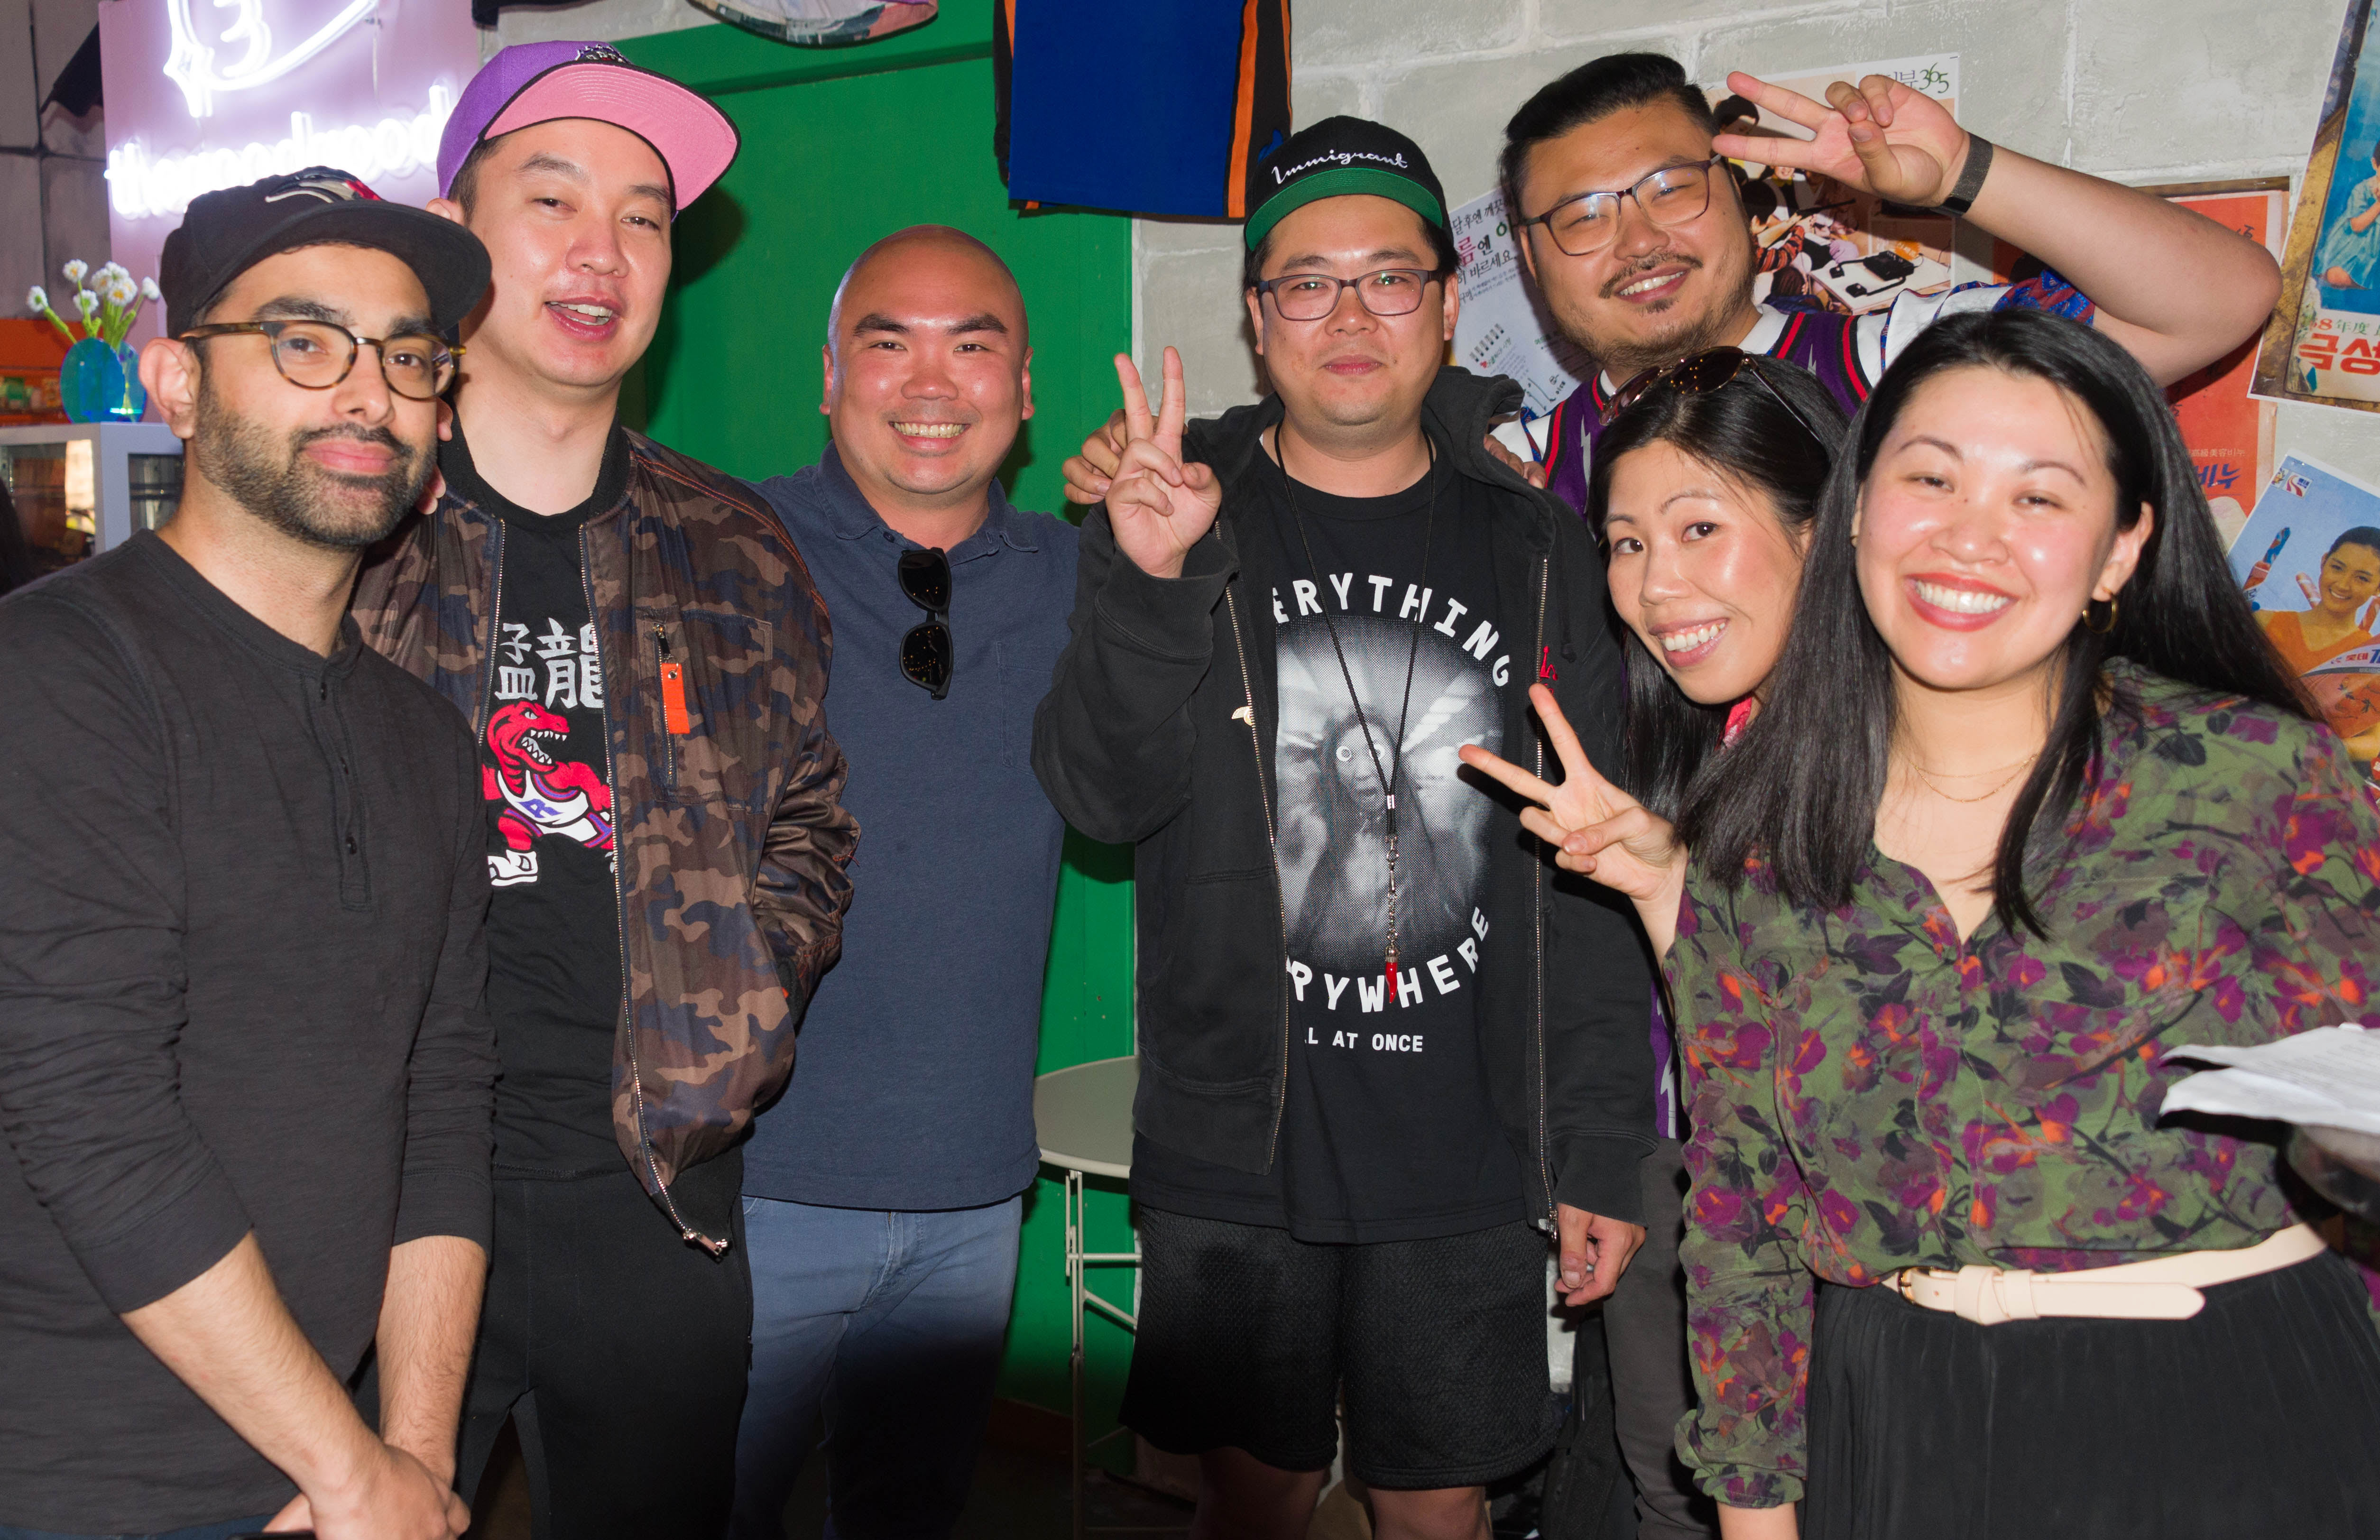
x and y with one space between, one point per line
882 1194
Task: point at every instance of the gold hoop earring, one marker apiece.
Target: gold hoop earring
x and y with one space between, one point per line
2097 630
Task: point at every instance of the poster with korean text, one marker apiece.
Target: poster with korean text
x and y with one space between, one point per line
1504 327
2323 345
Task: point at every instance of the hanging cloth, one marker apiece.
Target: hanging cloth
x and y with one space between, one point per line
1202 85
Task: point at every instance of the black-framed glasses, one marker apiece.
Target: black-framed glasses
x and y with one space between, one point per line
928 653
1699 373
1589 221
317 355
1393 291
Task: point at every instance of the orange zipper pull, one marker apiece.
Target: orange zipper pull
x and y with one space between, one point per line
674 715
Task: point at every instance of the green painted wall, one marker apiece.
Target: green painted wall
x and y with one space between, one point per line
840 147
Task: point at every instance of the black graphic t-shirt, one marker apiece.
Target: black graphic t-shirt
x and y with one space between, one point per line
554 985
1388 1133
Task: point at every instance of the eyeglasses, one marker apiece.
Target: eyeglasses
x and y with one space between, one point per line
1393 291
926 653
1701 373
1587 224
316 355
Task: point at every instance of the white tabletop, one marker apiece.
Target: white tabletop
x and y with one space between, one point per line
1084 1116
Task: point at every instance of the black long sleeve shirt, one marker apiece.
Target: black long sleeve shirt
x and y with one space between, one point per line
241 898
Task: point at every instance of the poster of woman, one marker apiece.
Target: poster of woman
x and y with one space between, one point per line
2310 562
2324 342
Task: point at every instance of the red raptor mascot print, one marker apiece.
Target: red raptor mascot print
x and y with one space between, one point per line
538 794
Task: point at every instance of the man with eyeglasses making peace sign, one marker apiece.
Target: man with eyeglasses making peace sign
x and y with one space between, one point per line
245 1075
1383 1049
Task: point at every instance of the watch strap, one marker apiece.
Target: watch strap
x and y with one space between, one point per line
1971 176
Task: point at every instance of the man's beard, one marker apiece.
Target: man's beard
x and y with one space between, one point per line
1623 355
275 482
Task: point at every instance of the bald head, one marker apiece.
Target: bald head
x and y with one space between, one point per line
932 255
928 376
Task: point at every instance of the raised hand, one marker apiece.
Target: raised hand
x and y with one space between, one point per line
1087 473
1597 829
1878 137
1158 507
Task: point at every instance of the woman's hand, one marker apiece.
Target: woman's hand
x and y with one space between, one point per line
1597 829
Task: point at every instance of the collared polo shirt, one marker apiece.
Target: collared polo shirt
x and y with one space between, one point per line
913 1086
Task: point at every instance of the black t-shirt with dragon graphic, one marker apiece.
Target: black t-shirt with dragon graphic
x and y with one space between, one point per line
554 984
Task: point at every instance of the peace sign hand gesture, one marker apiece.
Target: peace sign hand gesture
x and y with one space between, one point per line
1877 137
1597 829
1158 507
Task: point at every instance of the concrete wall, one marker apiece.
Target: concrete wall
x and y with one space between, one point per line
51 165
2138 91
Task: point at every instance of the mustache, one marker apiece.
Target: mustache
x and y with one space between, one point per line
1637 270
378 437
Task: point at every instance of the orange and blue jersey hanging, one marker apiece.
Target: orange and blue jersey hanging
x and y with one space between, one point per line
1207 80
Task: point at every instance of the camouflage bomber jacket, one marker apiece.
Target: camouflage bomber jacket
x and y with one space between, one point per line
730 840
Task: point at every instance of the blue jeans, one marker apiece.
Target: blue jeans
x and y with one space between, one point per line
891 1325
222 1531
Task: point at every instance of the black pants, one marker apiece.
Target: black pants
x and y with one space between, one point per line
620 1351
1645 1321
2259 1416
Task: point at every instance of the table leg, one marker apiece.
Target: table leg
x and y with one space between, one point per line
1076 1246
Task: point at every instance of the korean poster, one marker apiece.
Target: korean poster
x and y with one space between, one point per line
2324 343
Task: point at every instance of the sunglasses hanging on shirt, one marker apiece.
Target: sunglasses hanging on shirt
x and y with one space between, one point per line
926 651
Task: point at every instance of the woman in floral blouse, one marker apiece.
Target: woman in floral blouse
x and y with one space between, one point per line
2031 805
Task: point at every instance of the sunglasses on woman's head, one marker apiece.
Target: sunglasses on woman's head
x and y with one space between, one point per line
1700 374
926 653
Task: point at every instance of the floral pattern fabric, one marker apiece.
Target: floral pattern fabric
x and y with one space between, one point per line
1870 1093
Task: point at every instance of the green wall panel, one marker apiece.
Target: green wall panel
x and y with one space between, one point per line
841 147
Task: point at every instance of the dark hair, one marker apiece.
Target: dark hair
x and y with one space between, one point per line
1803 785
465 189
1749 435
2363 534
1594 90
1441 250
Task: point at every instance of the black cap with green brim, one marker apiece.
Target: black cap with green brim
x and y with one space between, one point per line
1337 157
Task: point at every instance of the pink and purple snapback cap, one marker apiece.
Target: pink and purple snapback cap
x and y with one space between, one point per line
537 82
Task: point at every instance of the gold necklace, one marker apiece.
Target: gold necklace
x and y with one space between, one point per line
2002 785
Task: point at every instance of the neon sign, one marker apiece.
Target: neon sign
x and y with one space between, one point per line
191 65
142 186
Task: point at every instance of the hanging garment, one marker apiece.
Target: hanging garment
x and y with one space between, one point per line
1208 81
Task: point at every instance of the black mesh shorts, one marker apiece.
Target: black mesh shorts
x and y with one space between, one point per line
1250 1339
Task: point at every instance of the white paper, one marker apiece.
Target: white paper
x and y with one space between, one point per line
2329 1077
1503 328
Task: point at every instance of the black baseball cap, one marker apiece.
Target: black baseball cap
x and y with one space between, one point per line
226 233
1334 158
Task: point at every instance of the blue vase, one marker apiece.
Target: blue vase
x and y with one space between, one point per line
102 384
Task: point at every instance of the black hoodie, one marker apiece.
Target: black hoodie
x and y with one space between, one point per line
1158 730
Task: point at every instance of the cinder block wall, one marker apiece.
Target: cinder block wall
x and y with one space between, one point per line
2138 91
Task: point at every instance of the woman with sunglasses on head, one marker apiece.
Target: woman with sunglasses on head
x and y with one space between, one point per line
2028 806
1705 482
